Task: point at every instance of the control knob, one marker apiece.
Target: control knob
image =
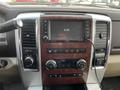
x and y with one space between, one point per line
51 64
28 62
45 37
3 63
81 64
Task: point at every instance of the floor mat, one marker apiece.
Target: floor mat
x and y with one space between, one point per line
112 83
1 86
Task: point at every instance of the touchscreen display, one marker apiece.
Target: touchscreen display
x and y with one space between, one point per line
66 30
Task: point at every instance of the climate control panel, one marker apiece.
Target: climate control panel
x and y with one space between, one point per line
66 64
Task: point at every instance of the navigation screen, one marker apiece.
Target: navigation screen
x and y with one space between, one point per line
66 30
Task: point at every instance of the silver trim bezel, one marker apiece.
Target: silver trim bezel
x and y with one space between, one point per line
108 44
28 74
20 45
101 69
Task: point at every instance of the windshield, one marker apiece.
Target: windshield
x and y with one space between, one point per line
113 3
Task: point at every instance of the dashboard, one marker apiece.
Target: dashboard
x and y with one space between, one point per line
9 12
62 47
56 52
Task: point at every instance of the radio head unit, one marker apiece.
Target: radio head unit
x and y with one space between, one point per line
65 28
65 51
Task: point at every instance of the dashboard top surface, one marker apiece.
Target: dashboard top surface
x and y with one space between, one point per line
16 9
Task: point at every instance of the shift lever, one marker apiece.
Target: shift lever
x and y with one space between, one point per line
10 25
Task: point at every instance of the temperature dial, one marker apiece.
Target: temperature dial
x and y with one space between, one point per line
81 64
51 64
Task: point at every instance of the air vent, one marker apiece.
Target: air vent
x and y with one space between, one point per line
28 34
101 38
101 34
29 45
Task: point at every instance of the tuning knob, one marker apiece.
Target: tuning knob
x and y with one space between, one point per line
51 64
28 62
81 64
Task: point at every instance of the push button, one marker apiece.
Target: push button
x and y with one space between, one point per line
72 50
61 50
80 50
50 51
66 50
56 51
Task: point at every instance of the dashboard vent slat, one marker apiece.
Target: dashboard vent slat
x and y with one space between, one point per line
28 34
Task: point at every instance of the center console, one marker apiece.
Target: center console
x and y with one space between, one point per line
62 49
65 51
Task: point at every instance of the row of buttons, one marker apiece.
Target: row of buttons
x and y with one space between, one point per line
66 50
64 75
87 29
45 25
45 30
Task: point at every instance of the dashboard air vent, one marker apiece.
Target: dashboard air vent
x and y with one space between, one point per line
28 34
101 38
101 34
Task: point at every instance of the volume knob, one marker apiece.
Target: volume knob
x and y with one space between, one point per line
81 64
51 64
28 62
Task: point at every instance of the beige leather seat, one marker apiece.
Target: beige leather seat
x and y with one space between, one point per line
113 68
